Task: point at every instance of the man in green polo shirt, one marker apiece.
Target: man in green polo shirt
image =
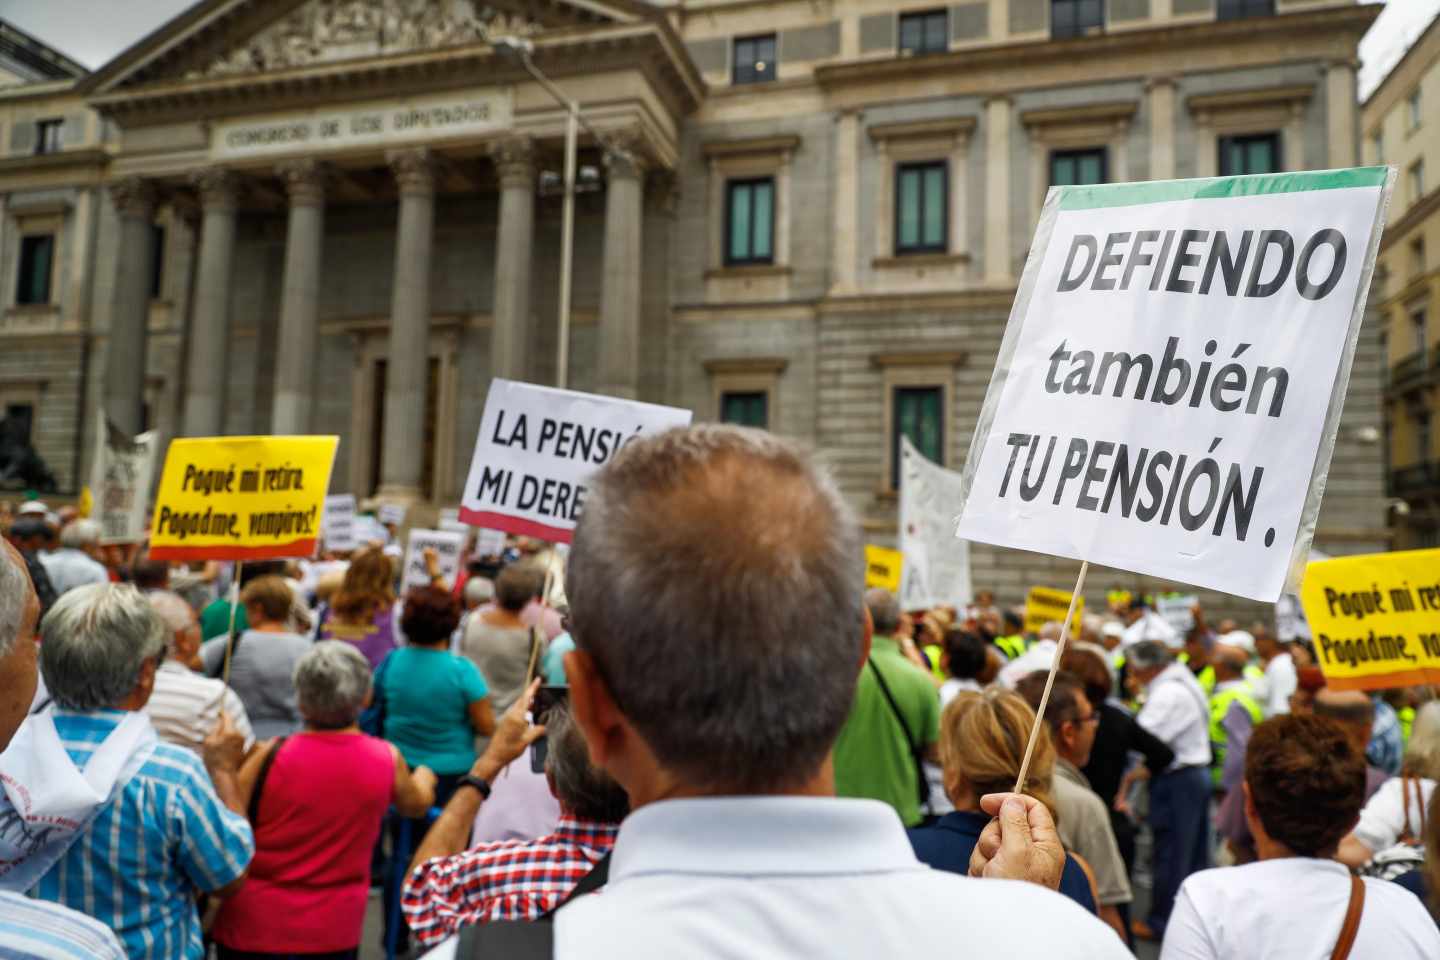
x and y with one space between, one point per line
875 754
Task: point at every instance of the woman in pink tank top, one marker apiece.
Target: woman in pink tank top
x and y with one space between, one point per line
317 810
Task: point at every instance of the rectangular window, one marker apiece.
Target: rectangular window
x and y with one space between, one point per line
1422 437
1076 18
1413 108
1417 256
20 417
746 408
157 261
927 32
1417 180
1419 321
921 202
918 414
754 59
1252 153
47 135
1077 168
37 260
1239 9
750 221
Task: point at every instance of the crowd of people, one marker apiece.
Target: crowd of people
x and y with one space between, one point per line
712 741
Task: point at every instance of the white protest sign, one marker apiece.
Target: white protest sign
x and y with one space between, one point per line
1171 378
1179 612
121 479
447 547
536 448
935 568
392 514
368 530
338 524
489 543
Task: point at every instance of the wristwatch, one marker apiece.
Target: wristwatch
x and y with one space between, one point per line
479 783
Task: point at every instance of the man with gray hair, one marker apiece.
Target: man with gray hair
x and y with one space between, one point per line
32 929
1177 712
452 888
145 828
894 722
715 585
76 563
185 706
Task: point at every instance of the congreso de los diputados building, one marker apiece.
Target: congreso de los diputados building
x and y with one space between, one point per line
346 217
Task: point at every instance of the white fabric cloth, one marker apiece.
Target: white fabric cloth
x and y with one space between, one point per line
772 877
1039 657
1280 681
1177 711
185 707
1382 819
1151 626
954 685
1292 909
69 568
52 799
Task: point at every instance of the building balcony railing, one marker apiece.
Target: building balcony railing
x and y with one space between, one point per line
1415 479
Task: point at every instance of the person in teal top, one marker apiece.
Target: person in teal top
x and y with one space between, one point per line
435 702
553 666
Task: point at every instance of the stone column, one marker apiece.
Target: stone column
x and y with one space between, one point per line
620 278
207 377
299 338
124 393
997 190
514 249
1341 121
409 348
1162 128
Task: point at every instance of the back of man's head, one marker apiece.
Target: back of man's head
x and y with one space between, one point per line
716 579
583 790
149 574
1149 656
95 642
884 610
1064 696
80 534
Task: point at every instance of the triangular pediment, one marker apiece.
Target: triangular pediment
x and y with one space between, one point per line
229 38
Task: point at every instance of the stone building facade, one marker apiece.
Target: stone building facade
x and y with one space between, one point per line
342 216
1401 127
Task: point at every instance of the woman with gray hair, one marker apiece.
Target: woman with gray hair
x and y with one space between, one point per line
316 801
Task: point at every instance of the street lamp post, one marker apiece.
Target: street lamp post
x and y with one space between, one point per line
516 48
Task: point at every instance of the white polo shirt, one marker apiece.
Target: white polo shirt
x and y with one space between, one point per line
1292 909
1177 712
763 877
185 707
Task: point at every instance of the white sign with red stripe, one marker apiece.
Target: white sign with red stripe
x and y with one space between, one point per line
537 447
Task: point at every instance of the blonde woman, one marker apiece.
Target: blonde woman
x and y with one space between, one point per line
362 611
982 741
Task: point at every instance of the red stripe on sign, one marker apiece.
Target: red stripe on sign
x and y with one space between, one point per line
298 548
516 525
1385 681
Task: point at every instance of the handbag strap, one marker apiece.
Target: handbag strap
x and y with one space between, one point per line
253 810
1351 926
912 742
1406 834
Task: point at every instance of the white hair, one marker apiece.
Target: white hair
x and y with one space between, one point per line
80 534
331 683
15 593
177 614
95 641
479 590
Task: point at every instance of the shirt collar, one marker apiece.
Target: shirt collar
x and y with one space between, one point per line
584 832
758 836
1071 772
882 642
175 666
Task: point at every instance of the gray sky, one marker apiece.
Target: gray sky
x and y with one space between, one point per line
93 31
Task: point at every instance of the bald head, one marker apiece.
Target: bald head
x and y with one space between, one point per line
1229 662
1347 706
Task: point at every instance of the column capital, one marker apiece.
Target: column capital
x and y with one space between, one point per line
1343 63
514 159
999 99
134 197
219 188
1160 80
305 181
414 170
184 205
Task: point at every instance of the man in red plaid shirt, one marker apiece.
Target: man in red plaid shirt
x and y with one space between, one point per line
516 879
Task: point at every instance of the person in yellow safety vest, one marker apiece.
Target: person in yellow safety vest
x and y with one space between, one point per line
1254 673
1406 716
1234 713
1012 644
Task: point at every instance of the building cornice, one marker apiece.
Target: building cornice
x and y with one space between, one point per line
1246 99
1122 110
1411 219
59 160
785 143
922 129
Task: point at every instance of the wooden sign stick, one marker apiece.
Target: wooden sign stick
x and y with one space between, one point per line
1050 680
234 607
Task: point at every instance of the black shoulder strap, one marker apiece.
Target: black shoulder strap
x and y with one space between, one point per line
253 810
910 740
598 876
526 939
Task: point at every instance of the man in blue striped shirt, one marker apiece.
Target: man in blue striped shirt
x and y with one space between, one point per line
173 826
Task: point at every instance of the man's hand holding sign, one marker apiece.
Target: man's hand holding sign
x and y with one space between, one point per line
1168 390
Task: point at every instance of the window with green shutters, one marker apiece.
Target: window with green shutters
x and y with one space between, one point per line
37 259
1251 153
745 408
921 202
1077 168
918 414
750 221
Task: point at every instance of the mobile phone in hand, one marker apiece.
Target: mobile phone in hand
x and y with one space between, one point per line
545 698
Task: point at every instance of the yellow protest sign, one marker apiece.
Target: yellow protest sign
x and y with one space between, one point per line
1375 618
882 568
1044 605
241 498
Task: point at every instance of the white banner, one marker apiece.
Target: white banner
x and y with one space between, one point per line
392 514
1179 612
120 480
447 548
935 568
538 445
1170 382
338 524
